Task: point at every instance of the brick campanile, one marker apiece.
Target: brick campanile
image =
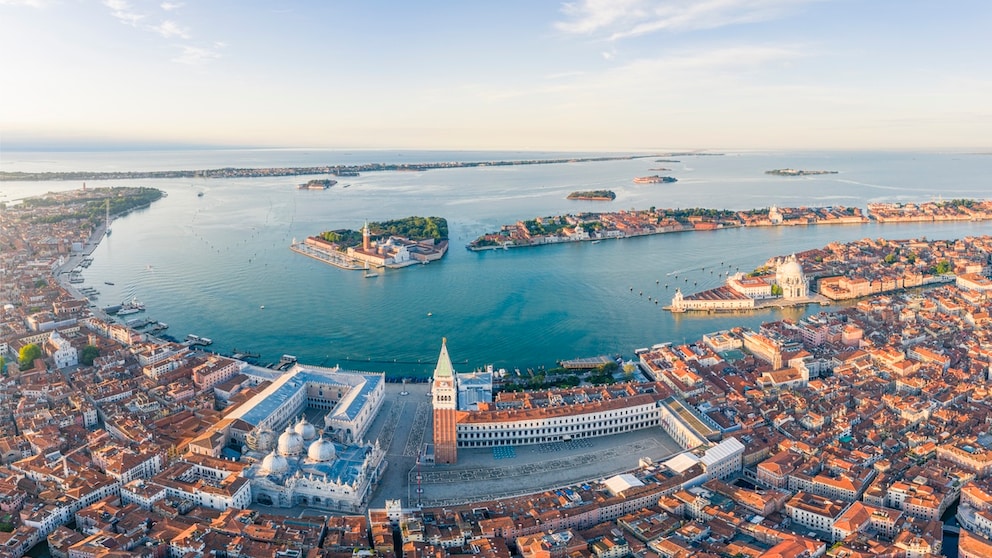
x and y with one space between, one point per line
445 402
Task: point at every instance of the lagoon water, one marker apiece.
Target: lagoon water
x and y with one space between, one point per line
206 264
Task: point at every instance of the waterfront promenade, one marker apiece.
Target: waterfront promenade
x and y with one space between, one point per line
405 423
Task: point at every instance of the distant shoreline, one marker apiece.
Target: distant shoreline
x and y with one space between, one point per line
336 170
798 172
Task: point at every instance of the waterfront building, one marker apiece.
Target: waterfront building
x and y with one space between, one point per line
974 282
971 545
741 292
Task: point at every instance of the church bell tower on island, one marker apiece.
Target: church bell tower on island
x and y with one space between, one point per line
445 402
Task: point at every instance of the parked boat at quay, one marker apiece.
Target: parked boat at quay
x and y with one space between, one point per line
132 306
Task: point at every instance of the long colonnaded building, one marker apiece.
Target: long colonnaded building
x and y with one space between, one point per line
464 419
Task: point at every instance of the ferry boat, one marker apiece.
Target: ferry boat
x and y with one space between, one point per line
130 307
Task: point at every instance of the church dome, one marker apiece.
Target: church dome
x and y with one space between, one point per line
305 429
321 451
266 440
790 269
274 464
290 443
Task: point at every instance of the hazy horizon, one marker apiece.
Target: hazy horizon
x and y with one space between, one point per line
589 75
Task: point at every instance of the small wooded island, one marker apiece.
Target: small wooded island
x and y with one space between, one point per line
593 195
318 184
798 172
396 243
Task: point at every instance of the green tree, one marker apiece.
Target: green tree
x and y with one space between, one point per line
27 355
943 266
3 366
776 289
89 354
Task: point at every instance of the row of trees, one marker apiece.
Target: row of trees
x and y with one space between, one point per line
414 228
564 378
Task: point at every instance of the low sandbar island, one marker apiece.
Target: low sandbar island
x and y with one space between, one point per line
798 172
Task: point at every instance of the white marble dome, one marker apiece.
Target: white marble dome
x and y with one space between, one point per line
274 464
290 443
305 429
790 277
322 451
790 269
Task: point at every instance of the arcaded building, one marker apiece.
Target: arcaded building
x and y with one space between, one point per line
516 419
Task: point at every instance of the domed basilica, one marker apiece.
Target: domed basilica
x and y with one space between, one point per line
790 277
304 468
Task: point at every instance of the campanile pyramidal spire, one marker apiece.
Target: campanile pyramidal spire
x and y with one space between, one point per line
445 403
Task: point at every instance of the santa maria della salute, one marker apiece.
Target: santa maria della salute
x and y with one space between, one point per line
788 286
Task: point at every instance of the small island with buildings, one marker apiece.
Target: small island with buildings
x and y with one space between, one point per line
593 195
655 179
397 243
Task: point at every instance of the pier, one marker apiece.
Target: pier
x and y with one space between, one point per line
335 259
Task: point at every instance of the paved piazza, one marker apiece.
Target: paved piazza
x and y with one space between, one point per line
405 422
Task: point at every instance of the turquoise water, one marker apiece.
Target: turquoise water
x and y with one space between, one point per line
206 264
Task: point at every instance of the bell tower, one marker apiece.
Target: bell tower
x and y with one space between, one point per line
445 402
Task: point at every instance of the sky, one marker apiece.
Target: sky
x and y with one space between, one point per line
510 74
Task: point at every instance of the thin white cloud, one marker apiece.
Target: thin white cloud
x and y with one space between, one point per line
630 18
682 72
170 6
123 11
198 56
564 75
28 3
589 16
169 29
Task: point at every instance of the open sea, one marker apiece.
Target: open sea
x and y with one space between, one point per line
206 264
